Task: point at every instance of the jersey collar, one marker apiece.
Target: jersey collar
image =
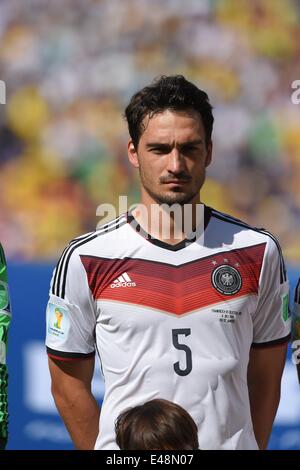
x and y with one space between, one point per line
155 241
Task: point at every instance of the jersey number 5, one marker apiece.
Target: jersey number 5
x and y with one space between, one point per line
182 347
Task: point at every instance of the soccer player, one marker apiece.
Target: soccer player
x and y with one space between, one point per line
156 425
198 317
5 317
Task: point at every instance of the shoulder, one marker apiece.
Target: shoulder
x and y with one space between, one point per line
259 232
98 237
247 232
92 243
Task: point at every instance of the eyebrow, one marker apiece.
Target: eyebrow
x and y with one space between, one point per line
184 144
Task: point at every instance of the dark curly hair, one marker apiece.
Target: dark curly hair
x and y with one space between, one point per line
156 425
167 92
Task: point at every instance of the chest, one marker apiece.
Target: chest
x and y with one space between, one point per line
220 279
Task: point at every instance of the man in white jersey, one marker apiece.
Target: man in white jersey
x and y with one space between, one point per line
201 321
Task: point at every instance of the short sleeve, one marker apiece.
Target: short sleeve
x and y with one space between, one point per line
271 319
71 314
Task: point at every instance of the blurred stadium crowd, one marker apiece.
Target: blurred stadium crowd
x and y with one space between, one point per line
70 68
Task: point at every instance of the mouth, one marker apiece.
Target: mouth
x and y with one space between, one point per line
176 182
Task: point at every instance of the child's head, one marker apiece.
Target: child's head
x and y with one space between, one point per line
156 425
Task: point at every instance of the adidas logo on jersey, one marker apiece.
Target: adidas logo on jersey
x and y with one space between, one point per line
123 281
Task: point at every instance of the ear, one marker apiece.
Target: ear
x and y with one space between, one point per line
208 154
132 154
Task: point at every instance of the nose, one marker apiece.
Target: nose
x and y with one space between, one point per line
176 162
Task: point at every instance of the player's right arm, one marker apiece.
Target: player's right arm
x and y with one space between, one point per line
71 390
70 341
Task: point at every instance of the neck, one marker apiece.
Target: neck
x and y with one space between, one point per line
165 224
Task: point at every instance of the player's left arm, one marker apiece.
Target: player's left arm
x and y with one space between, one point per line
264 378
271 333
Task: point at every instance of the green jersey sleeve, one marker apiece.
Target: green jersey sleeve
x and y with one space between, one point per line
5 316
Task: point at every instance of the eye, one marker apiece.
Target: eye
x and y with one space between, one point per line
159 150
189 148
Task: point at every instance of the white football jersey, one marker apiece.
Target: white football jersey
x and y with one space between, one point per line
172 321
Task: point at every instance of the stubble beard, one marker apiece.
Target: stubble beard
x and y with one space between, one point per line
179 197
